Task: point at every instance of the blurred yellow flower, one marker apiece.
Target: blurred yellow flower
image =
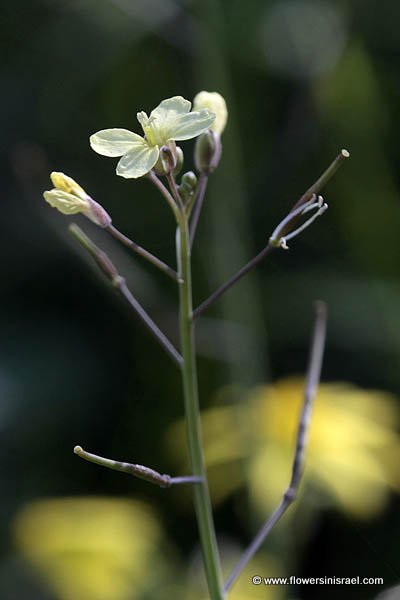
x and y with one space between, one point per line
351 459
91 548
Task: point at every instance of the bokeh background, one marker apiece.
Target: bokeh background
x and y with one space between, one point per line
302 79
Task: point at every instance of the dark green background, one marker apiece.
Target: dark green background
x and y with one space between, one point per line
302 80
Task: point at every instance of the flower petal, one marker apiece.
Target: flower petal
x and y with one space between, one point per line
164 118
138 161
67 184
171 108
190 125
114 142
67 204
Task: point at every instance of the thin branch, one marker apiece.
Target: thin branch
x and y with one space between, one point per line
312 381
175 192
109 270
325 177
142 252
198 205
275 241
235 278
164 191
318 185
306 197
140 471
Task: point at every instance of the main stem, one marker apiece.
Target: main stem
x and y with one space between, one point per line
190 388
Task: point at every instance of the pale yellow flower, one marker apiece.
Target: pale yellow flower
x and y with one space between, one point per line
353 449
172 120
91 548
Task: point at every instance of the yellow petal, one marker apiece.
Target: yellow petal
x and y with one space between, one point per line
67 184
66 203
114 142
140 159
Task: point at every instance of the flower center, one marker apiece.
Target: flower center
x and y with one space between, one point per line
150 129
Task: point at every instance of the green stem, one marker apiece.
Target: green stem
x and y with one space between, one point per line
189 378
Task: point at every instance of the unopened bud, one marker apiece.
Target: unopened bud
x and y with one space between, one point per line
66 184
179 161
167 159
189 181
188 186
70 199
207 152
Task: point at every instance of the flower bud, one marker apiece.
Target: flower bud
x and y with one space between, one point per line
189 181
216 104
207 152
66 184
167 159
188 187
179 160
70 198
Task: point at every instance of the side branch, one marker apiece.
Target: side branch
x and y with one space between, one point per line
325 177
175 192
108 269
293 215
142 252
234 279
312 381
140 471
277 240
164 192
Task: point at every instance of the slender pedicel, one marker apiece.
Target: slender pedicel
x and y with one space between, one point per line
142 252
198 205
107 267
140 471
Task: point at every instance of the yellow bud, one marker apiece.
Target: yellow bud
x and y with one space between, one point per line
70 198
67 184
66 203
216 104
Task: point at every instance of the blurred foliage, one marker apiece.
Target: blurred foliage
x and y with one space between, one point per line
302 78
